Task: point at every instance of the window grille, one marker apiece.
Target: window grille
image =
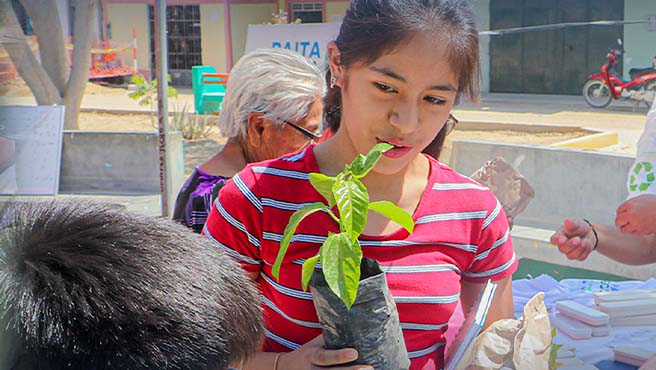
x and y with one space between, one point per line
183 36
307 12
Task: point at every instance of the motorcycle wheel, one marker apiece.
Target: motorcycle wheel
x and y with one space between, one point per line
597 94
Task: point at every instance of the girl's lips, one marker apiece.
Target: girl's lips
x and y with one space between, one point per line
393 141
399 149
397 152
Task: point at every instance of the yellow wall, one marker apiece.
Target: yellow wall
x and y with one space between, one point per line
213 36
241 16
122 18
335 8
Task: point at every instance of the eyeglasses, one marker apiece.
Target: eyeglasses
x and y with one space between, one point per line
450 124
309 135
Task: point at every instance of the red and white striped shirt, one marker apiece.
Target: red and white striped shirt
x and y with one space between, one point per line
461 232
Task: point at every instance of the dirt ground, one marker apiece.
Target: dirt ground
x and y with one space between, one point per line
18 88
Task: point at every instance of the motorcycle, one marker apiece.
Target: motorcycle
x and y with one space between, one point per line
601 88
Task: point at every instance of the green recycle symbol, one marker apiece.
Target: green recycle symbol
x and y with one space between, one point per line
642 176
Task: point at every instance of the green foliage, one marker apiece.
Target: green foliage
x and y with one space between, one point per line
294 221
553 364
145 92
341 254
340 262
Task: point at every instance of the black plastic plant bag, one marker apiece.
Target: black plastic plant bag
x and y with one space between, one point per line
371 326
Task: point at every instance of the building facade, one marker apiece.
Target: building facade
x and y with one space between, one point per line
213 32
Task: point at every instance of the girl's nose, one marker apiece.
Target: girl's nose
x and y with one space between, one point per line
405 118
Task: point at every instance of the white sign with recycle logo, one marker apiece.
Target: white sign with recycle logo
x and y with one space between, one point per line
642 176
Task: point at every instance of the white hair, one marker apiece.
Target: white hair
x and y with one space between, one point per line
278 82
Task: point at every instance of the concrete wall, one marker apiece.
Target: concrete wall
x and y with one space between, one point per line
122 18
96 162
639 42
212 35
567 182
482 11
241 16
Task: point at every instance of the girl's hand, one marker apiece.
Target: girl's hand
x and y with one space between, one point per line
313 355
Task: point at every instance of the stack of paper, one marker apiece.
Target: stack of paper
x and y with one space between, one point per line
579 321
632 355
629 307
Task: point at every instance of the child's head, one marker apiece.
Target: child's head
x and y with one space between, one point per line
85 286
373 28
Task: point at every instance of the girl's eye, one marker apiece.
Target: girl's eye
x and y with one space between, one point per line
384 88
435 101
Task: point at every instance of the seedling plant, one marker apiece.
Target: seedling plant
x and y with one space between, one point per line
341 254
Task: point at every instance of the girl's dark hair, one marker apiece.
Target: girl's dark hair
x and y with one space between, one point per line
372 28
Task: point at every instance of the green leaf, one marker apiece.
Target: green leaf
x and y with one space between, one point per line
294 220
324 185
308 269
394 213
553 354
372 158
352 201
357 166
136 94
138 80
340 262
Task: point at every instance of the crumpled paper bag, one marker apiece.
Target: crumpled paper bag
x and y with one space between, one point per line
507 184
516 344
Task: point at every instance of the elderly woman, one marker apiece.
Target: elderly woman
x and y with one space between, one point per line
273 106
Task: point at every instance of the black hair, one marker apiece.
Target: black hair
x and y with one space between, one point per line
372 28
87 286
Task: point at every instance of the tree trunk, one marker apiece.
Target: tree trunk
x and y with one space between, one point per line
45 92
85 21
47 26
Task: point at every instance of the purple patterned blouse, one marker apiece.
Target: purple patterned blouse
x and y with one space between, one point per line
196 198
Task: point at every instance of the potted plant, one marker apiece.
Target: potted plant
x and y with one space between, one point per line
350 293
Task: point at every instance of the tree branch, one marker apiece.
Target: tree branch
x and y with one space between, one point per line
47 27
85 21
21 55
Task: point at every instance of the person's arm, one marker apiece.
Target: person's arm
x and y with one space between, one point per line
576 240
502 304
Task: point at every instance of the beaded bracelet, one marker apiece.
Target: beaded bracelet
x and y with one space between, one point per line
594 231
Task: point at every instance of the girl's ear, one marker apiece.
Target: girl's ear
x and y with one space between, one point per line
334 62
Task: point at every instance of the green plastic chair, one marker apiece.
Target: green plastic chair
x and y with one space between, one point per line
208 98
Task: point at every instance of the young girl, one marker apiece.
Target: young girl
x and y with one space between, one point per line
396 70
